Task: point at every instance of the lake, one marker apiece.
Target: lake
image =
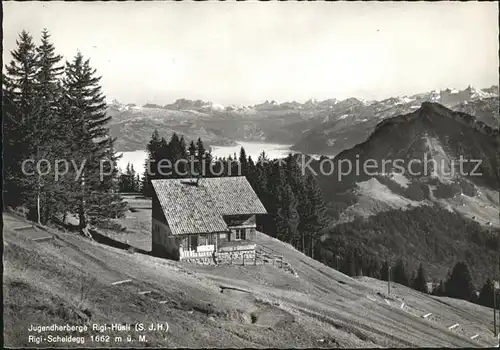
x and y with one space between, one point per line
252 149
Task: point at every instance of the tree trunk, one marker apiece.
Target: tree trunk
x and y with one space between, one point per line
81 215
38 207
303 243
83 224
38 189
312 248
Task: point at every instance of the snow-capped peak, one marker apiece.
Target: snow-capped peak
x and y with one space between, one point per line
477 93
218 107
403 100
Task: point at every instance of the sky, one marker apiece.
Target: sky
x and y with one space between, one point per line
246 53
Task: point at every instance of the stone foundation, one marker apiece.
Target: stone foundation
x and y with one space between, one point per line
225 258
248 256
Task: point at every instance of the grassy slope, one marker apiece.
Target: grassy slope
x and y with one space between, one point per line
43 284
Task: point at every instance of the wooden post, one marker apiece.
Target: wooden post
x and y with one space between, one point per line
494 311
388 279
216 241
312 248
243 259
495 303
38 207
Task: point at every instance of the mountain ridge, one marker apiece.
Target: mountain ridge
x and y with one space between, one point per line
436 108
186 103
431 214
314 127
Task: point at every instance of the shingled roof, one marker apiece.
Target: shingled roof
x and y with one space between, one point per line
191 208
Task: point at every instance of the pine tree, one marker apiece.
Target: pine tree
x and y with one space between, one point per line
105 201
183 155
33 127
384 271
375 268
53 137
174 154
263 159
48 79
208 159
243 162
287 218
150 165
90 142
420 281
459 285
128 181
137 184
200 158
486 295
439 289
399 273
20 112
251 171
351 263
192 149
315 217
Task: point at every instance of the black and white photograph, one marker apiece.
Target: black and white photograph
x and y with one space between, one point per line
250 174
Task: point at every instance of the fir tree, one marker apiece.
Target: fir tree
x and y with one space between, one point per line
192 149
137 184
351 263
420 281
439 289
287 218
459 284
316 218
174 154
486 294
128 180
20 113
91 144
399 273
243 162
375 268
150 165
52 124
384 271
31 124
200 157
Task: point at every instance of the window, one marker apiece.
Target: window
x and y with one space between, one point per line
222 235
240 234
202 240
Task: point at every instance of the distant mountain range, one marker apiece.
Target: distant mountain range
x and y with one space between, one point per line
396 206
315 127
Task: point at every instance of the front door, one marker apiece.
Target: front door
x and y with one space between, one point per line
193 242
